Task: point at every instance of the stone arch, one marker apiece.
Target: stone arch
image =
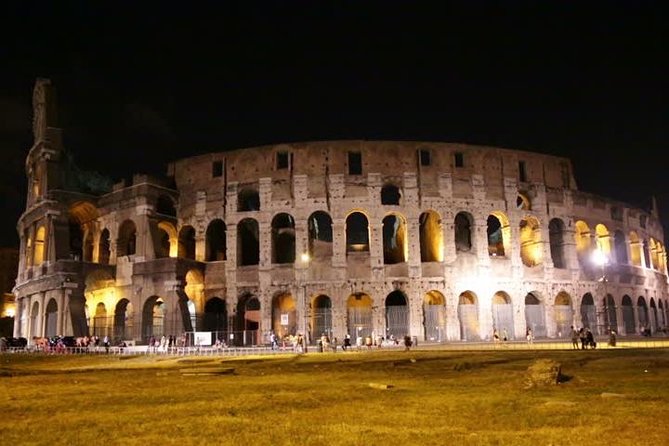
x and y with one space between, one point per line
635 249
563 314
248 244
628 315
248 319
153 318
468 316
583 242
431 237
663 315
100 321
646 254
390 195
620 247
216 241
463 225
166 244
283 239
357 232
104 247
359 315
89 242
284 315
320 235
39 249
248 199
186 248
216 317
434 316
34 320
395 239
642 311
165 206
397 315
81 218
321 316
588 312
194 291
531 249
556 230
535 314
653 315
127 239
123 320
603 240
654 255
610 316
502 313
51 320
499 234
523 202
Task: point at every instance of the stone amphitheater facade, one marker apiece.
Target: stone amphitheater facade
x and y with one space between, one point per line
439 241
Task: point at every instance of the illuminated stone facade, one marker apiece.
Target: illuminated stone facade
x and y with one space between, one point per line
444 242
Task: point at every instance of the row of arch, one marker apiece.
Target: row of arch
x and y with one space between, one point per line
632 316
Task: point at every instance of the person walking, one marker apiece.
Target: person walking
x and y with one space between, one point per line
529 335
574 338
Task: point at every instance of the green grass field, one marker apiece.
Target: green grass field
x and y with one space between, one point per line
434 398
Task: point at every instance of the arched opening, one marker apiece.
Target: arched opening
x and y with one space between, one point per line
395 242
248 246
216 317
165 206
284 315
123 320
81 216
628 315
162 245
502 313
434 316
663 316
463 232
431 237
390 195
153 318
583 243
646 254
320 235
642 311
635 249
556 239
397 315
357 232
283 239
523 202
104 247
468 316
88 246
127 239
620 247
216 242
76 240
653 315
100 323
321 316
498 231
588 312
530 243
535 315
248 314
654 258
603 240
186 243
51 320
359 315
34 321
563 315
611 318
38 250
248 200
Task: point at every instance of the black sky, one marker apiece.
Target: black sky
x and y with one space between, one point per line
141 84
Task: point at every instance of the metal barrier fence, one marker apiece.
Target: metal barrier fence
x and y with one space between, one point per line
602 344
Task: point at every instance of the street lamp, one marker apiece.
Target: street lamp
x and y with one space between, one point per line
602 260
305 258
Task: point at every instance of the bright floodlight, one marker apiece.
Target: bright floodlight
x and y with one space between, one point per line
305 257
599 258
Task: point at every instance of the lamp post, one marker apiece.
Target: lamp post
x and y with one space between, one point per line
305 258
602 260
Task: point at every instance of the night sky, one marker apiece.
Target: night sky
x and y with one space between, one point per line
140 86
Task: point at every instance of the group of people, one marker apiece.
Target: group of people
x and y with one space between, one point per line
583 338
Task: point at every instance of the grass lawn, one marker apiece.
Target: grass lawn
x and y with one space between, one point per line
434 398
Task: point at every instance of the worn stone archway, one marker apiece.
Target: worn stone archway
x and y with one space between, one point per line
359 315
502 314
468 317
642 310
610 316
248 320
321 316
123 320
563 315
153 318
397 315
434 316
284 315
535 315
216 317
588 312
51 321
431 237
628 315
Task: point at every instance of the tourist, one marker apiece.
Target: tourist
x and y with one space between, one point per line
583 337
529 335
612 339
407 343
495 336
505 335
574 338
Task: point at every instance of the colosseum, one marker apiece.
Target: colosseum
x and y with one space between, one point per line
442 242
